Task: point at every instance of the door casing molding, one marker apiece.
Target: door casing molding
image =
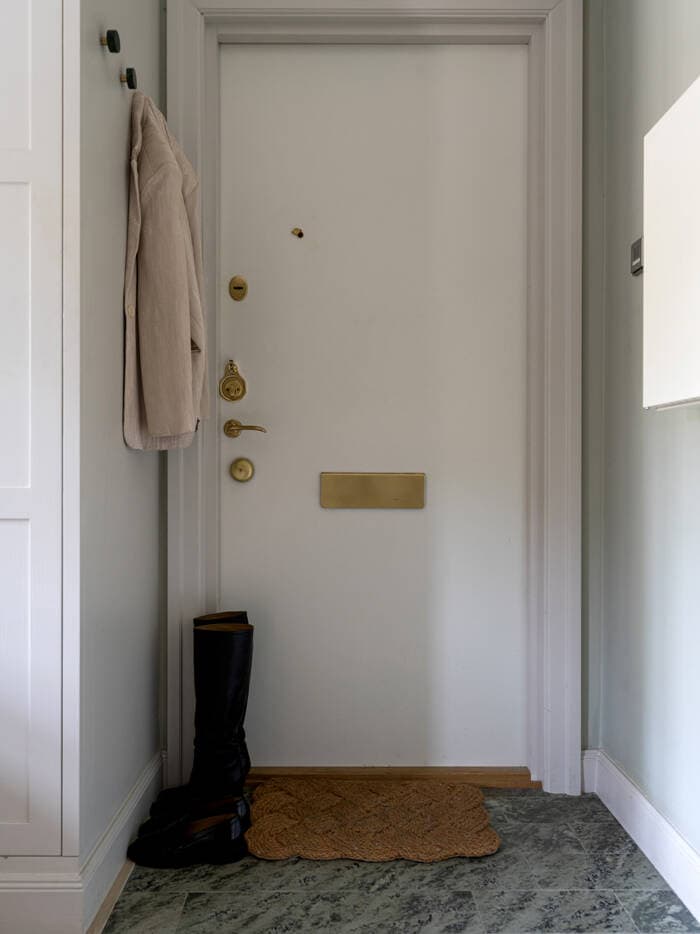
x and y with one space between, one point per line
552 29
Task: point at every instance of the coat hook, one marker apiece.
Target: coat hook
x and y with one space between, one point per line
111 40
128 77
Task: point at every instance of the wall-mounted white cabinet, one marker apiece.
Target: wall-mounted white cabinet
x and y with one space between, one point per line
671 250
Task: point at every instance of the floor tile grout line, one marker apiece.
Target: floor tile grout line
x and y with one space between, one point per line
628 913
460 890
179 914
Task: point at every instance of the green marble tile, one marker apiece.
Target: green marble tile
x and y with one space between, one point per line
616 861
532 855
565 864
286 912
658 912
561 911
145 913
539 807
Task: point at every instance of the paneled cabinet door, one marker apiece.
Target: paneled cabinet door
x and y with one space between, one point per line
30 415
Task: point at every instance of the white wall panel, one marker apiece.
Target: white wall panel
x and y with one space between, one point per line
15 646
14 333
15 55
30 412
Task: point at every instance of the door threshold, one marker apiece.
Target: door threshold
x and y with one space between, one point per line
483 776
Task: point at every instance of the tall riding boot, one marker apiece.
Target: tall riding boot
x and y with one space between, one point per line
223 654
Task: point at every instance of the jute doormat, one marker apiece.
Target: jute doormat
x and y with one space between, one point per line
326 818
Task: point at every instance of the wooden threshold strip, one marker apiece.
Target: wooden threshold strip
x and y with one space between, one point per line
485 777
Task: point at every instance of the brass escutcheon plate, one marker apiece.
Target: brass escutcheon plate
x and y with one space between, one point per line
238 288
242 469
232 386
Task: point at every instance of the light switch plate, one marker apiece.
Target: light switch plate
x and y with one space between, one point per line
636 258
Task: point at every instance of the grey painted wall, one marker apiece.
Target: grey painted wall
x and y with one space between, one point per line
120 509
642 469
593 366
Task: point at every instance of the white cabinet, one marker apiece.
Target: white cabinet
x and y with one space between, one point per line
30 416
671 245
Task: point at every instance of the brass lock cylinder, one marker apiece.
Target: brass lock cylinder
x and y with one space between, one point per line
232 386
242 469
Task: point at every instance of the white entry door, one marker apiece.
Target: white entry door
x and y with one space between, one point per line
390 337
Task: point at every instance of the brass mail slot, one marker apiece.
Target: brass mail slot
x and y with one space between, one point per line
373 490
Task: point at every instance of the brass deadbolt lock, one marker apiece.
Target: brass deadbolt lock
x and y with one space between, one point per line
238 288
242 469
232 386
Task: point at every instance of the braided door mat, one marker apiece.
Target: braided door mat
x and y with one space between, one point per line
374 820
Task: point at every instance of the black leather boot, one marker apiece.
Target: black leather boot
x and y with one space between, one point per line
184 842
197 810
223 654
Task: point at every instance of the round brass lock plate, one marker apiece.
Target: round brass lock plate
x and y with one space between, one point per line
238 288
242 469
232 386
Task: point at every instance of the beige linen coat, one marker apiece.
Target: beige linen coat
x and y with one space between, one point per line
165 358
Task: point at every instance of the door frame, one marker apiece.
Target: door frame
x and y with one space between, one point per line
553 31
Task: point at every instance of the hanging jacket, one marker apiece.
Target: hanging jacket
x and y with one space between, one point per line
165 358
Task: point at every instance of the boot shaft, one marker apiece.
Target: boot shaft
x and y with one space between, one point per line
223 657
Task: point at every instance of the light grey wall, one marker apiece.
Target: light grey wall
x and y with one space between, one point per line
593 366
121 559
643 626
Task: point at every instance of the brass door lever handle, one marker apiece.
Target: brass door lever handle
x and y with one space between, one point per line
233 428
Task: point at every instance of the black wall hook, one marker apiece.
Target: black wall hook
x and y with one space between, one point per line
128 77
111 40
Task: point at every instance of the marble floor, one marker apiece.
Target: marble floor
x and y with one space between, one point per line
565 865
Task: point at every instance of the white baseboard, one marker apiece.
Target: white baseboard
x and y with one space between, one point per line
56 895
658 839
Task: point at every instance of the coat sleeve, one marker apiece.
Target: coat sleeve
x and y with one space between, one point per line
163 306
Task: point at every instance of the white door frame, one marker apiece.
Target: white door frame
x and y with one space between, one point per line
553 31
